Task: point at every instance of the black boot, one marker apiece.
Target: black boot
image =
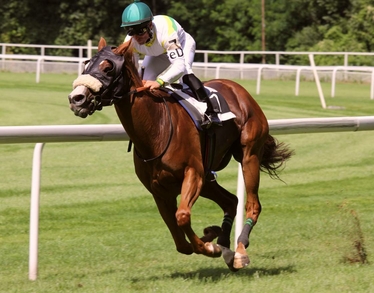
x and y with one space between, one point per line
210 117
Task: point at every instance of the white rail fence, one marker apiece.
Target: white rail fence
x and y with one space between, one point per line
40 60
204 69
86 52
216 70
219 67
89 49
83 51
114 132
297 69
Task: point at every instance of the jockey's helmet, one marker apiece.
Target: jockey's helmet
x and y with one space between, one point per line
136 13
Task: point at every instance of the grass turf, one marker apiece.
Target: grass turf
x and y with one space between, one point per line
100 230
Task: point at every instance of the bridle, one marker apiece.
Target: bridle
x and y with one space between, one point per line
111 81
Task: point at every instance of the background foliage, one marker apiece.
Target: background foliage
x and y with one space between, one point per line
298 25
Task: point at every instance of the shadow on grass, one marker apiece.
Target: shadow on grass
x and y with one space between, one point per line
219 273
216 274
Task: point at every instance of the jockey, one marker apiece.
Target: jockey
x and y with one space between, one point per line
169 52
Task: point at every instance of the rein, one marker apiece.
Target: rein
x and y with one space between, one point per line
129 94
137 90
170 136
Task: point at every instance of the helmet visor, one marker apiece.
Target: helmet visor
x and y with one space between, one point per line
138 30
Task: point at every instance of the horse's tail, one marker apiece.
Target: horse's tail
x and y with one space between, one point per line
274 156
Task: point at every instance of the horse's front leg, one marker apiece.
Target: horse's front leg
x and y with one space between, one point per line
251 174
167 208
191 188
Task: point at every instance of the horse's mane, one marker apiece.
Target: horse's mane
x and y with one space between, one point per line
126 49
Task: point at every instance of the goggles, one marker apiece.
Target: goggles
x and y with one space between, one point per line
138 31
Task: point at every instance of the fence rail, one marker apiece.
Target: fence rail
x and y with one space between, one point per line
206 70
115 132
41 59
43 48
366 73
297 69
89 49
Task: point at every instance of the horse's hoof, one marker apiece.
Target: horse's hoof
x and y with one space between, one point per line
228 257
214 230
213 249
240 261
188 250
211 233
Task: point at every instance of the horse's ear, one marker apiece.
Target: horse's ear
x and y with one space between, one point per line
102 43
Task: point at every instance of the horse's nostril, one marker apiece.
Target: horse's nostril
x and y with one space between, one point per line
77 99
78 96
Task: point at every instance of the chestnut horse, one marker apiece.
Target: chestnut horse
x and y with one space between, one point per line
169 150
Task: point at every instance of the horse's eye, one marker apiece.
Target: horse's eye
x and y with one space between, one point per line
106 66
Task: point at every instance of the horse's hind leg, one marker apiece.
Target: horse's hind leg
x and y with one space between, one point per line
227 202
251 174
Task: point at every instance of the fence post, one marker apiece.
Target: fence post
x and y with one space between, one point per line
319 88
89 49
3 52
240 190
34 211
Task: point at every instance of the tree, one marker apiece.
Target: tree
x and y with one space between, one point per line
227 27
224 25
361 23
12 29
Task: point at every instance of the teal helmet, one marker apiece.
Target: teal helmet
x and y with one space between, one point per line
136 13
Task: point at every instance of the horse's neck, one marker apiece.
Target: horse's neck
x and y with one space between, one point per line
145 122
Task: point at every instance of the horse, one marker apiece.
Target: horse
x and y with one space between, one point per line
170 151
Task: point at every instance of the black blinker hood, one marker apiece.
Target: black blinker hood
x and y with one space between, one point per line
110 78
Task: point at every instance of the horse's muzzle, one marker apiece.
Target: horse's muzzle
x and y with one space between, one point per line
80 103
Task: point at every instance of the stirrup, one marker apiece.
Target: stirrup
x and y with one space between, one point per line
211 176
211 119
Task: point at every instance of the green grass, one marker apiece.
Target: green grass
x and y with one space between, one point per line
100 230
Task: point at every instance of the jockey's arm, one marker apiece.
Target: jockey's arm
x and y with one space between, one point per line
177 67
173 72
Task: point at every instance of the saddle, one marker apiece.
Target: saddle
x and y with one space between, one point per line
195 108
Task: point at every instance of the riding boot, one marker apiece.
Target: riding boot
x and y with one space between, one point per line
211 116
198 89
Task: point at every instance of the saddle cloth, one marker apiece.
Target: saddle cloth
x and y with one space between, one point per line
195 108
